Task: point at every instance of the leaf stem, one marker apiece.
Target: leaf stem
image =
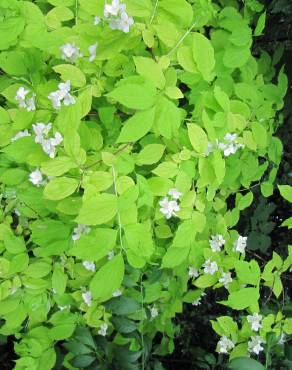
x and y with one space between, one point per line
181 40
118 213
154 12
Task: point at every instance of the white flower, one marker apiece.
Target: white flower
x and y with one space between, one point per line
55 99
57 139
193 272
70 52
113 9
41 130
30 103
153 311
20 97
210 267
230 137
225 345
117 293
175 194
88 265
168 208
209 149
255 344
110 255
240 244
255 321
62 94
282 339
226 279
87 298
21 94
103 329
216 242
92 52
118 17
197 301
96 20
80 229
126 22
20 134
36 177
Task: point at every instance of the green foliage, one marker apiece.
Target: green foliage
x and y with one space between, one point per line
122 142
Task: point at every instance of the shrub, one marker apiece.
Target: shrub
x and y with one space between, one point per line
132 135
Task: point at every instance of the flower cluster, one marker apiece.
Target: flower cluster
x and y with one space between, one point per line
153 311
62 95
70 52
117 16
216 242
23 101
78 231
229 145
240 244
193 272
49 145
169 207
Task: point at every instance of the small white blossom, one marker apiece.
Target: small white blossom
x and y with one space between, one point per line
80 229
240 244
114 9
41 130
226 279
216 242
210 267
70 52
96 20
117 293
30 103
209 149
20 134
255 321
92 52
21 94
197 301
282 339
110 255
225 345
175 194
168 208
89 265
126 22
255 344
153 312
36 177
87 298
103 329
193 272
230 144
230 137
